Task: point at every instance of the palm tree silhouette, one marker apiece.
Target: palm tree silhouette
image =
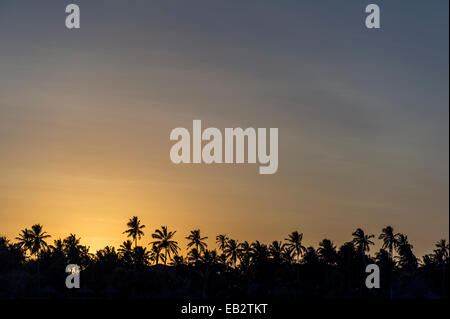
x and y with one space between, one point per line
107 257
362 241
287 255
245 251
24 239
126 252
441 255
34 240
57 248
177 261
407 260
221 240
73 250
276 250
155 253
231 251
134 229
260 253
194 256
240 268
210 257
327 252
141 256
294 241
164 241
387 265
402 240
310 257
195 239
383 259
389 239
442 252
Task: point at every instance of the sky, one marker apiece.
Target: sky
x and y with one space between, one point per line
85 118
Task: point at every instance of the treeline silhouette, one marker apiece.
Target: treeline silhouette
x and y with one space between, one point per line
31 267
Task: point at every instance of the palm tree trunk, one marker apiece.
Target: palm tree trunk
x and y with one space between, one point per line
198 255
135 246
205 282
38 273
392 273
363 255
443 278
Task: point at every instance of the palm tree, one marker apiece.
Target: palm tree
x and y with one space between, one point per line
72 249
442 252
385 262
407 259
222 240
155 253
244 254
311 257
24 239
362 241
384 259
441 255
134 229
287 255
402 241
193 256
260 253
346 262
294 241
57 248
327 252
276 250
177 260
195 239
141 256
126 252
231 251
164 241
223 259
34 240
389 239
107 257
428 261
210 257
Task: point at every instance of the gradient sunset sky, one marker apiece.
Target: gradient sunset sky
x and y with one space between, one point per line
363 118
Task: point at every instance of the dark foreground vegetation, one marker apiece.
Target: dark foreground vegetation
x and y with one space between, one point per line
31 267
